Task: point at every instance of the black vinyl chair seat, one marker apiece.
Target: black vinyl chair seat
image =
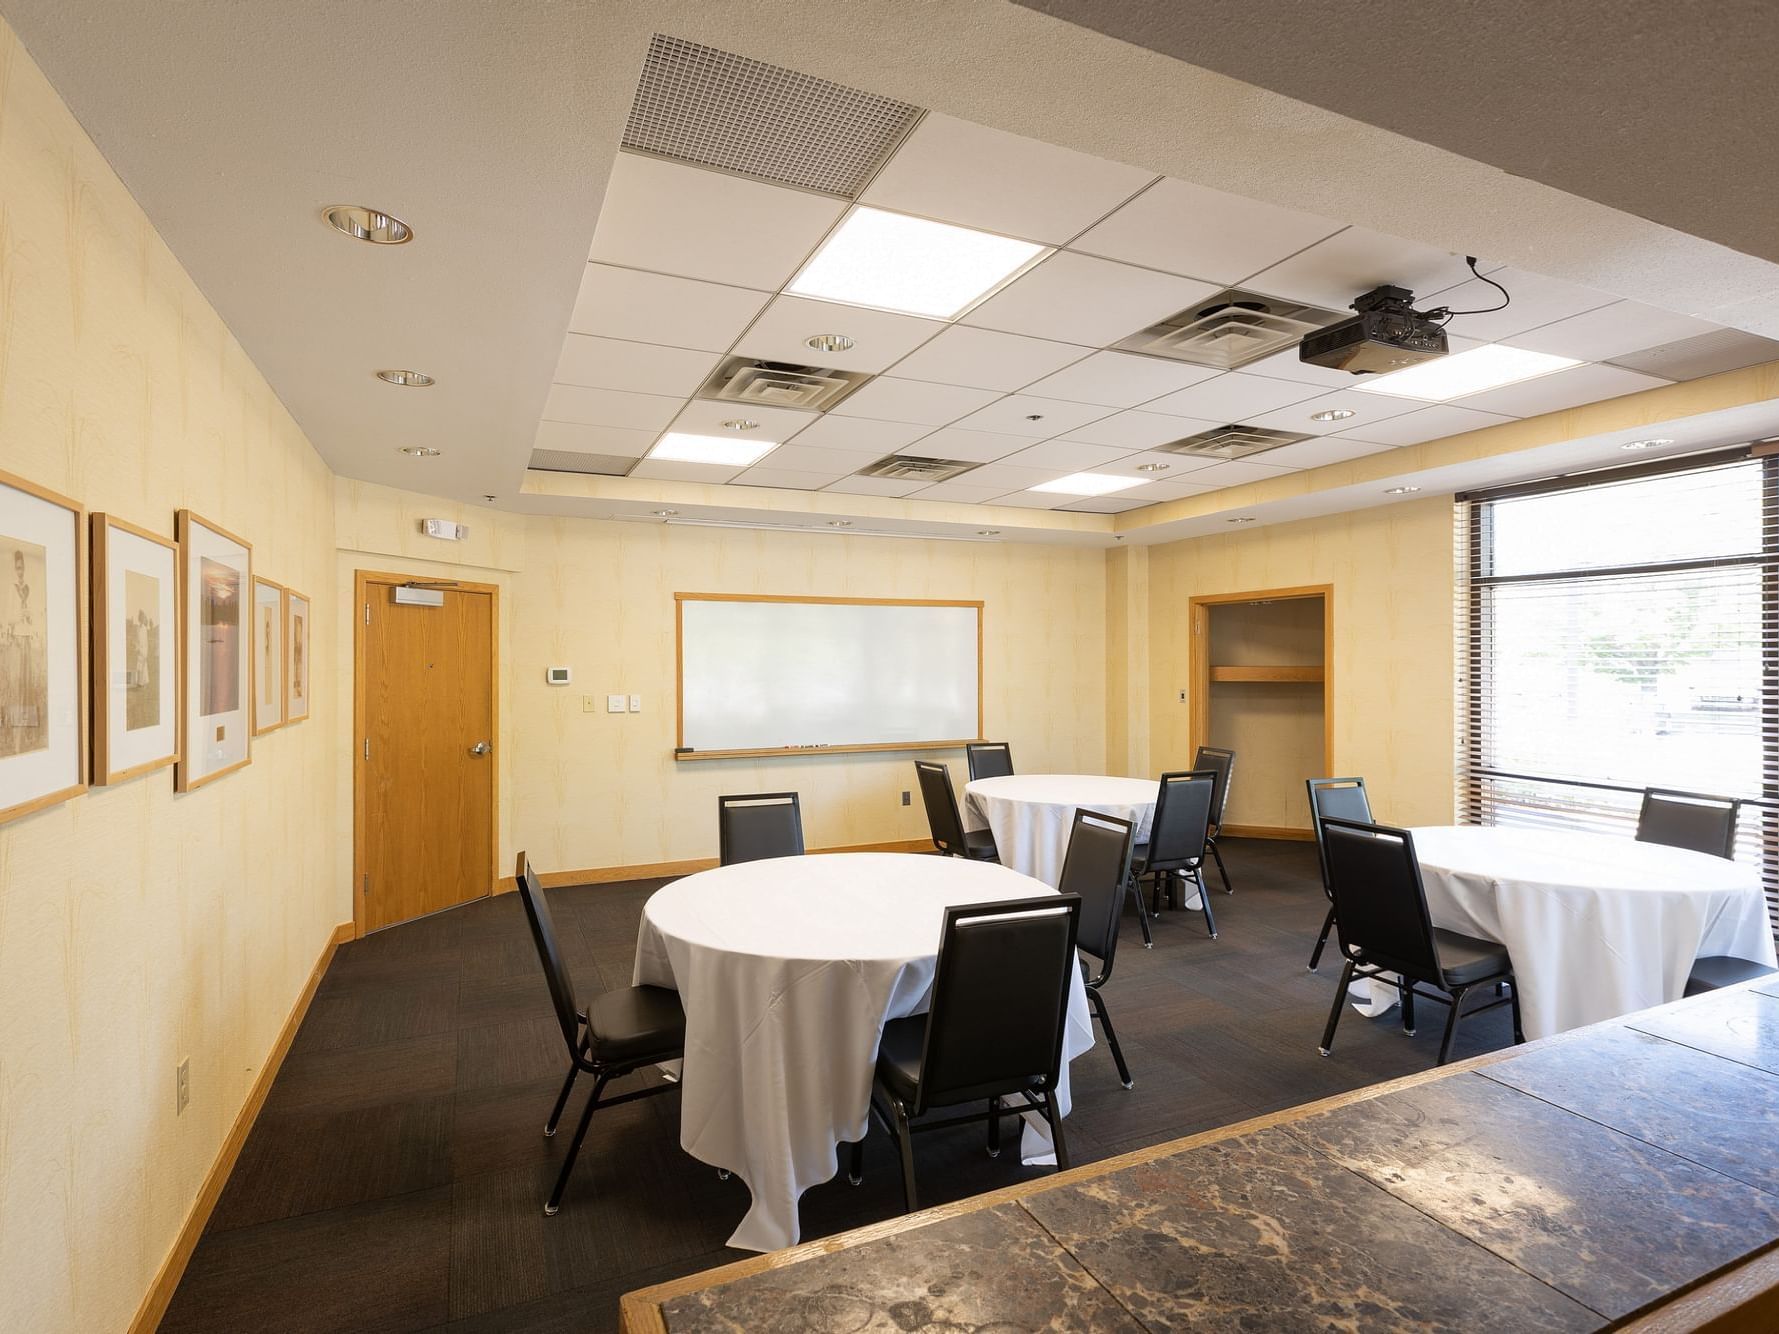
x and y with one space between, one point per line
898 1054
1716 971
980 843
636 1024
1465 960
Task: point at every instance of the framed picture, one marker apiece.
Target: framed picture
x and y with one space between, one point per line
296 650
216 692
42 648
268 656
135 650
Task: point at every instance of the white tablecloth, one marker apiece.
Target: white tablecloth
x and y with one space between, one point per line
788 969
1598 925
1030 814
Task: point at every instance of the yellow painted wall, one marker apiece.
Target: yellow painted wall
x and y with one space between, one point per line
138 927
1392 571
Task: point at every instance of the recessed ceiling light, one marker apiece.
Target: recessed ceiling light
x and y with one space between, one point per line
679 447
1246 518
1487 367
1332 415
1153 467
889 261
840 523
367 224
829 343
665 514
411 379
740 424
420 451
1401 490
988 532
1088 484
1646 444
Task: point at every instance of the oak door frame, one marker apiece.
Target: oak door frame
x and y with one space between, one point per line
363 582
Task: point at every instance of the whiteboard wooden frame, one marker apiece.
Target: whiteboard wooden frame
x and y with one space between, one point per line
679 676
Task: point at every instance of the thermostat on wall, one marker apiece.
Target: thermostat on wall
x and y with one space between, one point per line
451 532
556 676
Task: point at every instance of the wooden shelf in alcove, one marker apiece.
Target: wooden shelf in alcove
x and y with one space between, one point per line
1266 674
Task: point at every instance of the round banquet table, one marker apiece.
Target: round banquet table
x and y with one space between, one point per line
1030 815
1598 925
788 969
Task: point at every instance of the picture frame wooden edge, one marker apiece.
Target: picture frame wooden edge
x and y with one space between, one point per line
309 602
83 759
183 519
283 656
101 523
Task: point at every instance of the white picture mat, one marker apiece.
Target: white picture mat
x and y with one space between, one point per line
296 629
760 675
124 552
46 524
203 754
268 670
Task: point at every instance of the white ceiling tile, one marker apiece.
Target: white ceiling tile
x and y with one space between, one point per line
1234 396
880 338
1055 417
965 173
1203 233
1119 379
961 490
1430 423
1011 478
1176 490
859 435
1332 272
805 458
655 308
1033 500
986 359
665 470
1141 430
1564 389
1319 452
1135 499
873 486
1367 409
967 446
1079 299
704 417
1611 331
1239 472
579 438
1069 455
1535 301
644 368
609 407
785 479
1174 466
889 399
707 224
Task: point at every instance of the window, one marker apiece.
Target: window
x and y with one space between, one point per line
1623 633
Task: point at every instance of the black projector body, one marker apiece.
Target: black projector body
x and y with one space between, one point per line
1386 335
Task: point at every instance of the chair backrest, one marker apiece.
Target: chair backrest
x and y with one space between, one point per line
943 819
1341 798
1000 999
1378 898
1689 820
1095 869
1182 819
1222 763
989 759
543 935
759 824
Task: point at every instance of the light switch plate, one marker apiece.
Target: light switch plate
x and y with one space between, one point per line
636 704
614 704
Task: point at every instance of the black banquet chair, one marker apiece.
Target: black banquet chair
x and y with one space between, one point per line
757 825
947 826
1343 799
1222 763
1178 842
621 1031
989 759
994 1030
1096 869
1385 927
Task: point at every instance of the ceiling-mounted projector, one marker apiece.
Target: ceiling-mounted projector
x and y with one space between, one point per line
1387 334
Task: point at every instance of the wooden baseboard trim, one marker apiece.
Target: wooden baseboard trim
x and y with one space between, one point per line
1267 831
603 875
166 1279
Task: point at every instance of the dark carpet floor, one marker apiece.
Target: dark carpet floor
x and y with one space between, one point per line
395 1178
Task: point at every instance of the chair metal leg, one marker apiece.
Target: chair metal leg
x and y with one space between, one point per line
1136 894
1056 1137
1519 1032
574 1147
994 1127
1451 1027
905 1142
561 1102
1222 870
855 1167
1322 940
1099 1010
1204 902
1405 988
1340 1000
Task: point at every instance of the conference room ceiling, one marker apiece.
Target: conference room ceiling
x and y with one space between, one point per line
572 295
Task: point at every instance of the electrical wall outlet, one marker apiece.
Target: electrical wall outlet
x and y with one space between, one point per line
1182 697
181 1086
905 800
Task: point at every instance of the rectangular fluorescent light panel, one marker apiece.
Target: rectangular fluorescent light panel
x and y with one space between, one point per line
1089 484
734 451
890 261
1487 367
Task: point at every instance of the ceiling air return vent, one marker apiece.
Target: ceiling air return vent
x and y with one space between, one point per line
777 384
567 460
913 468
1232 442
1229 330
698 104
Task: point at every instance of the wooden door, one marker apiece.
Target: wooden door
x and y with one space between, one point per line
425 712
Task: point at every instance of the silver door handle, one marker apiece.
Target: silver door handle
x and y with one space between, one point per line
480 748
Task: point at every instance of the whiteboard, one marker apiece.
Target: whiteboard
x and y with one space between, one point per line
759 674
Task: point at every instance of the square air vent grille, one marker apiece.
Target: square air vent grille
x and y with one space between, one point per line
776 384
913 468
1232 442
1229 330
699 104
567 460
